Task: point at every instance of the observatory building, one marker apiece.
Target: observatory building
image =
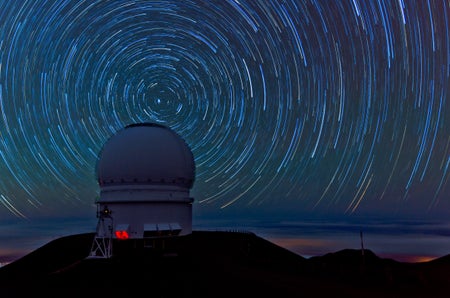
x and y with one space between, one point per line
145 172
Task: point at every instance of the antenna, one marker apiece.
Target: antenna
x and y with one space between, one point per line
362 243
363 265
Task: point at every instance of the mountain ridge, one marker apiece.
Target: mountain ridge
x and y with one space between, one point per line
216 264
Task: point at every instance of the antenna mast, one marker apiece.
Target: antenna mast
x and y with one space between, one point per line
362 252
362 243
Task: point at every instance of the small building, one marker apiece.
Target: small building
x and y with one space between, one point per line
145 173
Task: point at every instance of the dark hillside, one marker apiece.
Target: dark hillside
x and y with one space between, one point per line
215 264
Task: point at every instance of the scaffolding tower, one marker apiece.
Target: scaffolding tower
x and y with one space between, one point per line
102 244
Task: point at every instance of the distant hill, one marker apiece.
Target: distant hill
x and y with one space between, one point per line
215 264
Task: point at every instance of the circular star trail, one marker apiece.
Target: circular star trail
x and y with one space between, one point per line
299 106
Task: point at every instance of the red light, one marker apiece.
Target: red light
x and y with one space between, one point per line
122 235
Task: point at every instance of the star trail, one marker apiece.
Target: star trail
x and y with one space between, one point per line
289 106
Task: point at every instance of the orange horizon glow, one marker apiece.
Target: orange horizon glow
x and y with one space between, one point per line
409 258
313 247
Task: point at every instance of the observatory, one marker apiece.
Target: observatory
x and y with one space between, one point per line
145 172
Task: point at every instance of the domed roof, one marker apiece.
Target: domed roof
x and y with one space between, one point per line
146 153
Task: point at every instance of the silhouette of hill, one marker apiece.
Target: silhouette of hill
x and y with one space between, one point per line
215 264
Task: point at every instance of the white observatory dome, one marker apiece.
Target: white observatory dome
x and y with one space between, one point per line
145 172
146 154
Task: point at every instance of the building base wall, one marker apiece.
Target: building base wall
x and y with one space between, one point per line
152 219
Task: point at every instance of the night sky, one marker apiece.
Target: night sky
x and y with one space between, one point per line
291 108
